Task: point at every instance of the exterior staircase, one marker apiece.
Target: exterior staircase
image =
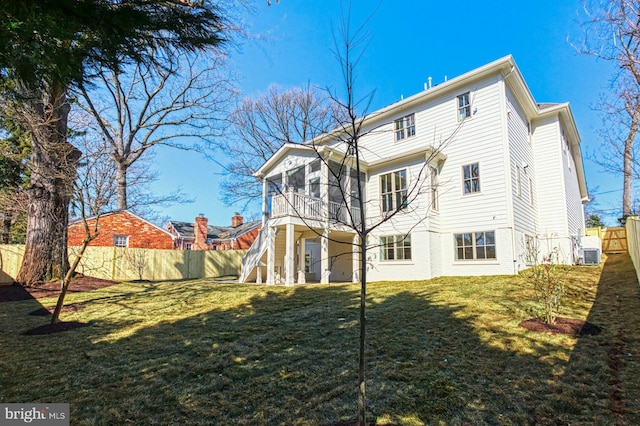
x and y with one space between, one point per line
251 259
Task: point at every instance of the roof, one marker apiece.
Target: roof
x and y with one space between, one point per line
114 212
511 75
186 230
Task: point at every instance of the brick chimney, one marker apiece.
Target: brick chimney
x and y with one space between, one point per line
236 220
200 228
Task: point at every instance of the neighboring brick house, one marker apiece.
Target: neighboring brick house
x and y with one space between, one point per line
122 229
199 235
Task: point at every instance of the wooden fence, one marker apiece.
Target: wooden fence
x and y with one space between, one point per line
633 242
126 264
614 239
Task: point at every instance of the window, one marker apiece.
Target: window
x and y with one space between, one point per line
471 178
475 246
434 188
295 179
395 247
405 127
464 106
314 187
188 246
393 190
121 240
519 181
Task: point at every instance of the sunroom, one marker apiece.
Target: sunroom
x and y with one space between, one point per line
310 208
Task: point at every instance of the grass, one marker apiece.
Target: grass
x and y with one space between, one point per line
444 351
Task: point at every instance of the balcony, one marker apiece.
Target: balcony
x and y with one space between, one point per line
306 207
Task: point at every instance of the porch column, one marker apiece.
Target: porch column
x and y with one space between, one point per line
324 258
259 273
289 258
355 256
271 257
302 279
265 201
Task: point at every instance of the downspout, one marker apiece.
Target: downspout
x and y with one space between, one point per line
507 161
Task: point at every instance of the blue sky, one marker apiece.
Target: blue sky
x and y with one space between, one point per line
410 40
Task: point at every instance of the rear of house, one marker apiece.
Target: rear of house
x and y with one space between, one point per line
468 178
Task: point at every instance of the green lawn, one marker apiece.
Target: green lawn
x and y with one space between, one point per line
445 351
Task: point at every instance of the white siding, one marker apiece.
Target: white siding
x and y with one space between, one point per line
496 137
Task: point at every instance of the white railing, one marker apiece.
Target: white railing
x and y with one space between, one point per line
251 259
300 205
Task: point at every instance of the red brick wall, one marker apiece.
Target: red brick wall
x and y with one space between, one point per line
141 234
244 241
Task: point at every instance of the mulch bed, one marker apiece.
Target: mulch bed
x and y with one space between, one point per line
562 325
80 283
15 292
48 310
55 328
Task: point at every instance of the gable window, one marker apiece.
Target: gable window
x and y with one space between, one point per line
464 106
405 127
395 247
471 178
121 240
393 190
434 188
475 246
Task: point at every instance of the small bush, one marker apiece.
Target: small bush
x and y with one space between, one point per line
547 275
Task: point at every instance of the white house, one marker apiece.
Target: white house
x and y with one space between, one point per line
469 173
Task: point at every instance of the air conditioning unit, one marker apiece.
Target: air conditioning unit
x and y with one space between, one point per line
590 256
590 250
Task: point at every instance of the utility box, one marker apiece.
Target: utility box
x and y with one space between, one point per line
590 250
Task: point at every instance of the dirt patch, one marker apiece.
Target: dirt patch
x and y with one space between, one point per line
48 310
55 328
15 292
562 325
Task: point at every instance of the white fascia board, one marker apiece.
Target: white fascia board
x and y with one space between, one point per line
279 155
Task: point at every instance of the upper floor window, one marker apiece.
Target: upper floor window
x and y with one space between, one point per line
464 106
405 127
471 178
393 190
475 246
121 240
395 247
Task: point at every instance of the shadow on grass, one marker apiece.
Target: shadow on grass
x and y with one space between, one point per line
289 356
613 357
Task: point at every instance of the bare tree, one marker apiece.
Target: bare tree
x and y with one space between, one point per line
93 192
612 33
341 153
46 48
261 125
180 100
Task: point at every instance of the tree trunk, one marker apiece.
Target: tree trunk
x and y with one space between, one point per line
121 185
53 170
628 159
6 227
362 417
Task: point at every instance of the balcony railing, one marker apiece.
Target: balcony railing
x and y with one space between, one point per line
300 205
